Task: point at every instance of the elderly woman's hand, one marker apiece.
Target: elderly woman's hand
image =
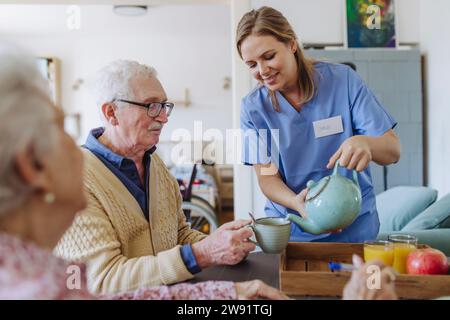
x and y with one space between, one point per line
367 284
256 289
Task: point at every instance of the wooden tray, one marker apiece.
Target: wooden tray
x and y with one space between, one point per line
304 272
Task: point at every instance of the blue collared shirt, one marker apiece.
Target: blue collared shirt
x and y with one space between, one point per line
288 139
125 170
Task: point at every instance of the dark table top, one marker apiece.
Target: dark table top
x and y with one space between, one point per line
257 265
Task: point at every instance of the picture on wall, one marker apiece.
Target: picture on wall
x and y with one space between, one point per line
371 24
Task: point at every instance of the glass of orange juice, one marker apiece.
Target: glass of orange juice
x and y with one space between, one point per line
379 250
404 244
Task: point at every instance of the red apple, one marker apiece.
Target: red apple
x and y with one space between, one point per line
427 261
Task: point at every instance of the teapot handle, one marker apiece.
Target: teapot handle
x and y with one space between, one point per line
355 173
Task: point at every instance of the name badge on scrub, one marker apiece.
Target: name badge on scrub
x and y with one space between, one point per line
328 127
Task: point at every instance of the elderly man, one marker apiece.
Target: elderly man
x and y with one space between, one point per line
133 232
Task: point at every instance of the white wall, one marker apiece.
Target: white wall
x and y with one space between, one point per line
188 45
244 188
322 21
435 44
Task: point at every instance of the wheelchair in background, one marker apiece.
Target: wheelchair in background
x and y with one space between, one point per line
199 212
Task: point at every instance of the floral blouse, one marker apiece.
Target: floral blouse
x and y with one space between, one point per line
30 272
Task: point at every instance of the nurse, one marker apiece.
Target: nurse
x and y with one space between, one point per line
303 116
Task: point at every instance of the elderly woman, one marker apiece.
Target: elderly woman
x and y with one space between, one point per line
41 190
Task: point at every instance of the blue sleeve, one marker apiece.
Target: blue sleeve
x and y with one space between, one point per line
255 148
189 259
369 117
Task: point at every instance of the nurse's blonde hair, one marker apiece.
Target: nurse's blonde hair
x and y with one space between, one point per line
268 21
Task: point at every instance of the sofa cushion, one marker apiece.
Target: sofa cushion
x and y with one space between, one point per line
398 206
445 224
432 217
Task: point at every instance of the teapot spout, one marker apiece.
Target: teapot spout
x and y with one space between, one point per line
306 224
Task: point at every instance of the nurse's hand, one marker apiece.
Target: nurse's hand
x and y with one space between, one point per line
299 202
354 153
299 206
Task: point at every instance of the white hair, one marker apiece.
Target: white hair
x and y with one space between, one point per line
25 121
113 81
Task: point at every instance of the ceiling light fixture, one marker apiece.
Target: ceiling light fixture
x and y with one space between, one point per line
130 10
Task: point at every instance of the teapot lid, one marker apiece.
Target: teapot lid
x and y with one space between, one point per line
316 188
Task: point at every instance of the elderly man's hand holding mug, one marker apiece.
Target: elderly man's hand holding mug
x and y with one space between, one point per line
228 245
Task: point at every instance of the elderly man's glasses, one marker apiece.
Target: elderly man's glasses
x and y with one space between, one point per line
153 108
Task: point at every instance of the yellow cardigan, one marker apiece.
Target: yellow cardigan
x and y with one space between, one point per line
123 250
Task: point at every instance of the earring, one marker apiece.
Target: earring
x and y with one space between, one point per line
49 198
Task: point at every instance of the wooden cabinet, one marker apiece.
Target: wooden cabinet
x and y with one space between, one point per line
225 185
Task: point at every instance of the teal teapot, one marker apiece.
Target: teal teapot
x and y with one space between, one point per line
332 203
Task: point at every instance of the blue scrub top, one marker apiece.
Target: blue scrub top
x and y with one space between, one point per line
303 157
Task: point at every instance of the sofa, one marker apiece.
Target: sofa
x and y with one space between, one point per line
416 211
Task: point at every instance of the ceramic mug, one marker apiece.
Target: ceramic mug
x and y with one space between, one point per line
272 233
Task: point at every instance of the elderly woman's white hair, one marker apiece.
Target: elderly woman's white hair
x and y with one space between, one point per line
25 121
113 81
